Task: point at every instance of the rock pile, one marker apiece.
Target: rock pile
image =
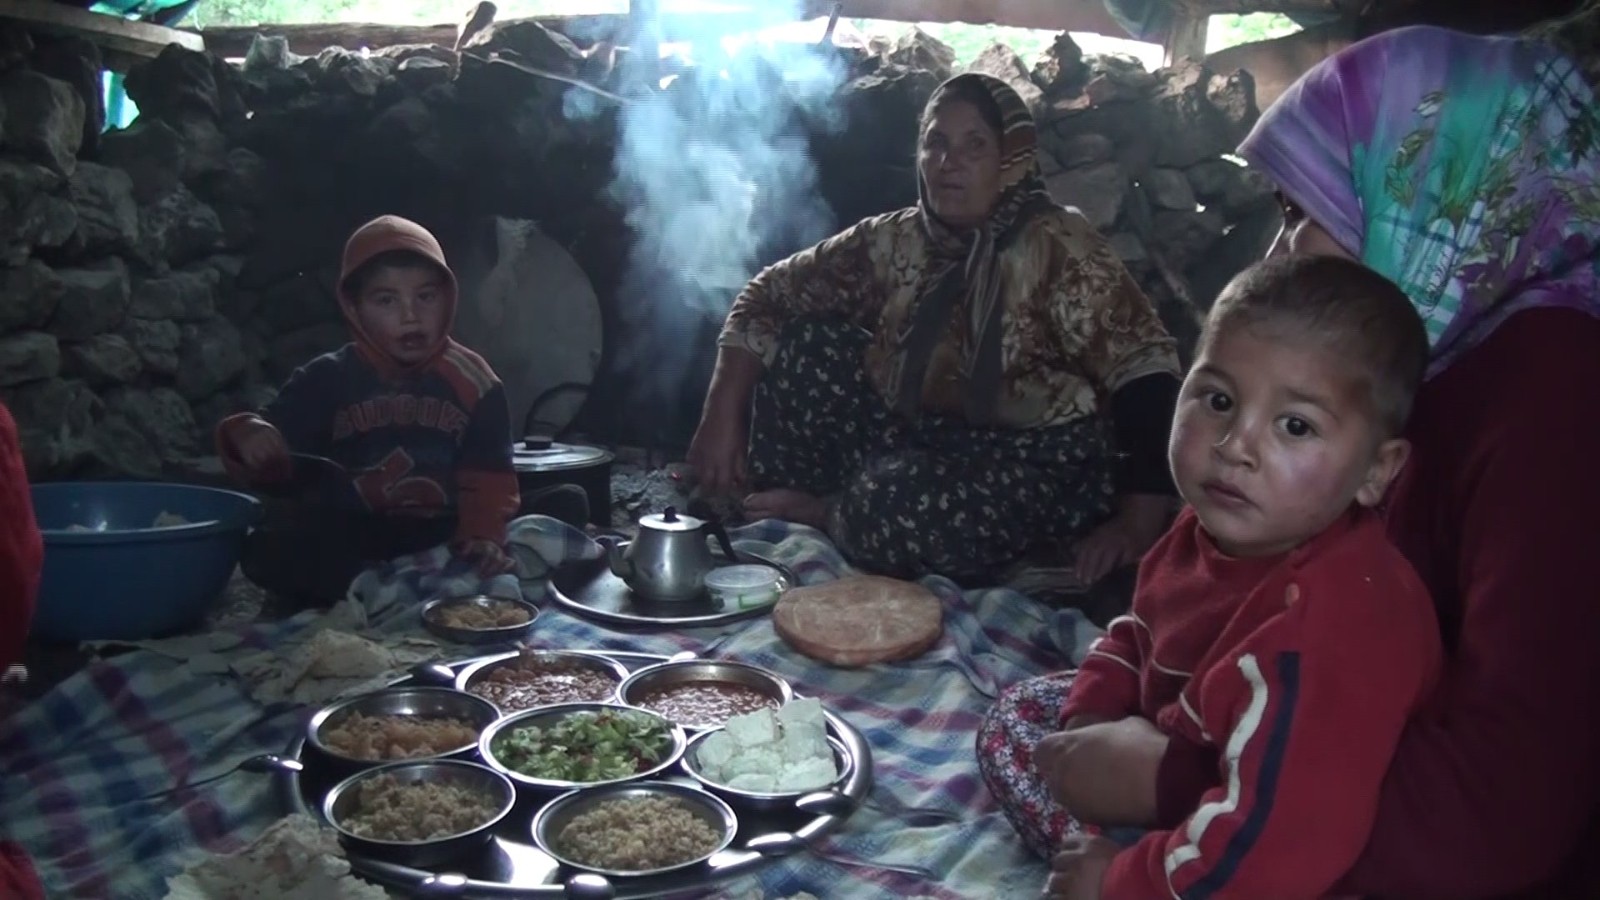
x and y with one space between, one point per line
156 278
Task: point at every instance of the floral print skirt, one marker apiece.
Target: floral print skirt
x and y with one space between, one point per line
912 498
1019 719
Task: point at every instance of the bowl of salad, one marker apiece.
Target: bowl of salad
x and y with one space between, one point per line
573 745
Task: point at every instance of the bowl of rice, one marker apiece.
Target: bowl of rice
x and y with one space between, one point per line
401 724
479 619
572 745
419 813
634 830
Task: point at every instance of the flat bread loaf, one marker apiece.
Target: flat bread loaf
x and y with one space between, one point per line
859 621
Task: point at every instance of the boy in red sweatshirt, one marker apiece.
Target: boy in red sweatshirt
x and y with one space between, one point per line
1274 621
417 422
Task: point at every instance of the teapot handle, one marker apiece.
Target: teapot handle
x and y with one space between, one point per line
721 534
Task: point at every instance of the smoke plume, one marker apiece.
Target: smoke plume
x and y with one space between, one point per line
715 176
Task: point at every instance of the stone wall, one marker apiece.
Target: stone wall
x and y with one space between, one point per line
157 278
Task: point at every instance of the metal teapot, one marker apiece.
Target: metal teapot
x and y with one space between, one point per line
669 559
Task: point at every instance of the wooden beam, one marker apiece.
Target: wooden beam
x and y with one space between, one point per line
1047 15
1245 7
1186 39
1052 15
122 40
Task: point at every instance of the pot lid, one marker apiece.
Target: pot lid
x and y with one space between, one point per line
540 454
671 520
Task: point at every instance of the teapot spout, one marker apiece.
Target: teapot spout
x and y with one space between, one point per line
617 558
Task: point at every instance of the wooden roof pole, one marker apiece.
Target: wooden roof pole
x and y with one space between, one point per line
122 42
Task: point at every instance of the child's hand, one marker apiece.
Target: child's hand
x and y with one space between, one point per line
1077 871
262 451
1050 760
1105 773
490 557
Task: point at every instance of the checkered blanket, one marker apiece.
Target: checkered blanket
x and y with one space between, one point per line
75 764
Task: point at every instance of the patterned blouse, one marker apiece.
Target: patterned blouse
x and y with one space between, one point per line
1076 326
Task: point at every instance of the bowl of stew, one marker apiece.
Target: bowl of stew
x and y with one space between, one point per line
559 748
701 694
514 682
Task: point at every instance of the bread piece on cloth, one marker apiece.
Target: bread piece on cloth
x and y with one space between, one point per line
292 858
860 621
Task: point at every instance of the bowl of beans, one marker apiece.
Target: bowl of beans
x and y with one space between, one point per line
479 619
533 678
558 748
701 694
633 830
405 723
419 812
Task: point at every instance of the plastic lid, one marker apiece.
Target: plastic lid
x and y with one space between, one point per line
741 577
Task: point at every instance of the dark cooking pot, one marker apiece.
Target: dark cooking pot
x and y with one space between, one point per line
541 462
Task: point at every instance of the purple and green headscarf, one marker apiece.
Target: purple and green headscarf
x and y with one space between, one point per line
1464 168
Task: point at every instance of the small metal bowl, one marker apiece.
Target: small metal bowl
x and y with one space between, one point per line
558 813
669 674
433 608
481 669
422 702
342 802
547 716
755 800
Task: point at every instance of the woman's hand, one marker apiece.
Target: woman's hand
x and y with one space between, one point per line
788 505
1123 539
721 443
1106 774
1077 872
717 452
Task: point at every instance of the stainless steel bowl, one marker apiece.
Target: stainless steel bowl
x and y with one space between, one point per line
343 802
668 674
594 662
558 813
755 800
433 608
547 716
422 702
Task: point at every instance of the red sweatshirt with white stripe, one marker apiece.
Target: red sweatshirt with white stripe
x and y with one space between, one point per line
1300 669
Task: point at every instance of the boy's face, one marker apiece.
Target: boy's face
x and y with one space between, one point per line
1273 439
402 311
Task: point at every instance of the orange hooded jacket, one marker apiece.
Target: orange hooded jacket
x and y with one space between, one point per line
419 439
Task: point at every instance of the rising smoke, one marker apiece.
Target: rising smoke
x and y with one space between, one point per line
715 176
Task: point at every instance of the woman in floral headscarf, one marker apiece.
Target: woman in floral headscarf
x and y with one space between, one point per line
1467 170
941 387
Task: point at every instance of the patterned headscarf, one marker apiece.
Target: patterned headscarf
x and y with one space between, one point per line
964 267
1464 168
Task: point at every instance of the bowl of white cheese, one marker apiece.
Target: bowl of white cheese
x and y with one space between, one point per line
768 759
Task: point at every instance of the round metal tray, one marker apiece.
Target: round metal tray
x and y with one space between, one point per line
588 589
512 866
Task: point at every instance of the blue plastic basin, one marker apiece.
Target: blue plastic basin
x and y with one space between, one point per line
126 579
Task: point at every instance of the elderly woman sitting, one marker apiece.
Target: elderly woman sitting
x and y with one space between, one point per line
951 386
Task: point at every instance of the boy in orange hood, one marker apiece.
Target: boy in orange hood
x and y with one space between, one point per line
418 422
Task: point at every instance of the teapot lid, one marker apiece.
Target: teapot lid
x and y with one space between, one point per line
670 520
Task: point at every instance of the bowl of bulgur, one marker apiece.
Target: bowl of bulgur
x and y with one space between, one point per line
422 812
479 619
634 830
407 723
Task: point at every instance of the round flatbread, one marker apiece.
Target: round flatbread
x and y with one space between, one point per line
860 621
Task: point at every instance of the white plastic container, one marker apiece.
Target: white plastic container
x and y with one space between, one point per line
744 586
